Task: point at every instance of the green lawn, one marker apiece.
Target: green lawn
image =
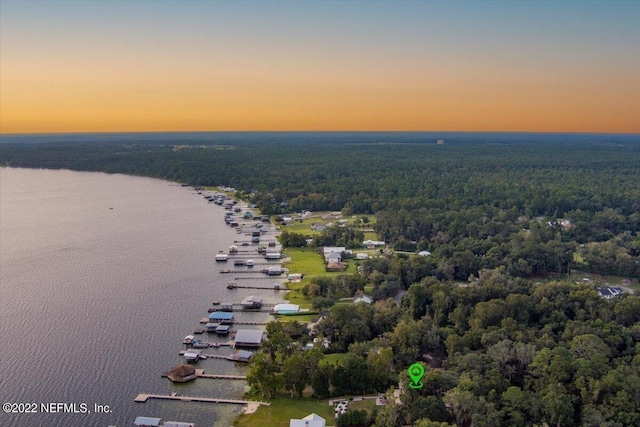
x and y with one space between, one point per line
333 359
282 409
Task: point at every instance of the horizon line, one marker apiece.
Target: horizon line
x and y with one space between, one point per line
312 131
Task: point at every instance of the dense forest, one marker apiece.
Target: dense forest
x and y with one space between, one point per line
505 340
502 352
533 203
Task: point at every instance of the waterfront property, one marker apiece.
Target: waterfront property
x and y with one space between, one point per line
241 356
248 338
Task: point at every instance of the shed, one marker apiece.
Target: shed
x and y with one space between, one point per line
221 317
248 338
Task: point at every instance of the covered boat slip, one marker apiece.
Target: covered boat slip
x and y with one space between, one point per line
157 422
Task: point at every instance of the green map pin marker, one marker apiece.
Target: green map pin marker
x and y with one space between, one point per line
416 372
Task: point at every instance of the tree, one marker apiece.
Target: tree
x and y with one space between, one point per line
320 381
294 370
264 374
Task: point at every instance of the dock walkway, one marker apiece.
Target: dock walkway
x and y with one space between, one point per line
143 397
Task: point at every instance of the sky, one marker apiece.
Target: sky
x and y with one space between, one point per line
115 66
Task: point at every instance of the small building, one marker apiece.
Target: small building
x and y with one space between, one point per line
178 424
226 306
192 355
182 373
336 266
361 256
241 356
318 226
251 302
311 420
294 277
274 271
286 309
272 255
223 329
424 253
222 317
211 326
248 338
147 422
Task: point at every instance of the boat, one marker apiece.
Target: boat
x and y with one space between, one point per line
231 286
249 263
215 344
222 257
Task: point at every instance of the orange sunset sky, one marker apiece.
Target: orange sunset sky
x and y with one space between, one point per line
185 66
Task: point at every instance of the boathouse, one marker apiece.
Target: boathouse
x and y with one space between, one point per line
182 373
147 422
221 317
286 309
241 356
251 302
248 338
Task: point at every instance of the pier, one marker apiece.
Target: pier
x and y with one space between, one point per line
270 288
205 320
143 397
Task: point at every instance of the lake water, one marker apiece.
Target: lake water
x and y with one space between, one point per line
101 277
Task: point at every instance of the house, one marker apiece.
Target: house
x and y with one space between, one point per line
311 420
223 317
318 226
333 257
608 292
287 220
336 266
248 338
362 298
336 249
286 309
371 244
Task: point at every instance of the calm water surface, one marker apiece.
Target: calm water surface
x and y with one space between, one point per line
101 277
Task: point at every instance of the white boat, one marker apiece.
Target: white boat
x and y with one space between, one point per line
222 257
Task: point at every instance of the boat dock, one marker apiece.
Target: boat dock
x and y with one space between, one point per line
205 320
270 288
222 377
143 397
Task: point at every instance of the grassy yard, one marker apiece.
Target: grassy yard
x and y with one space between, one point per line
333 359
282 409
